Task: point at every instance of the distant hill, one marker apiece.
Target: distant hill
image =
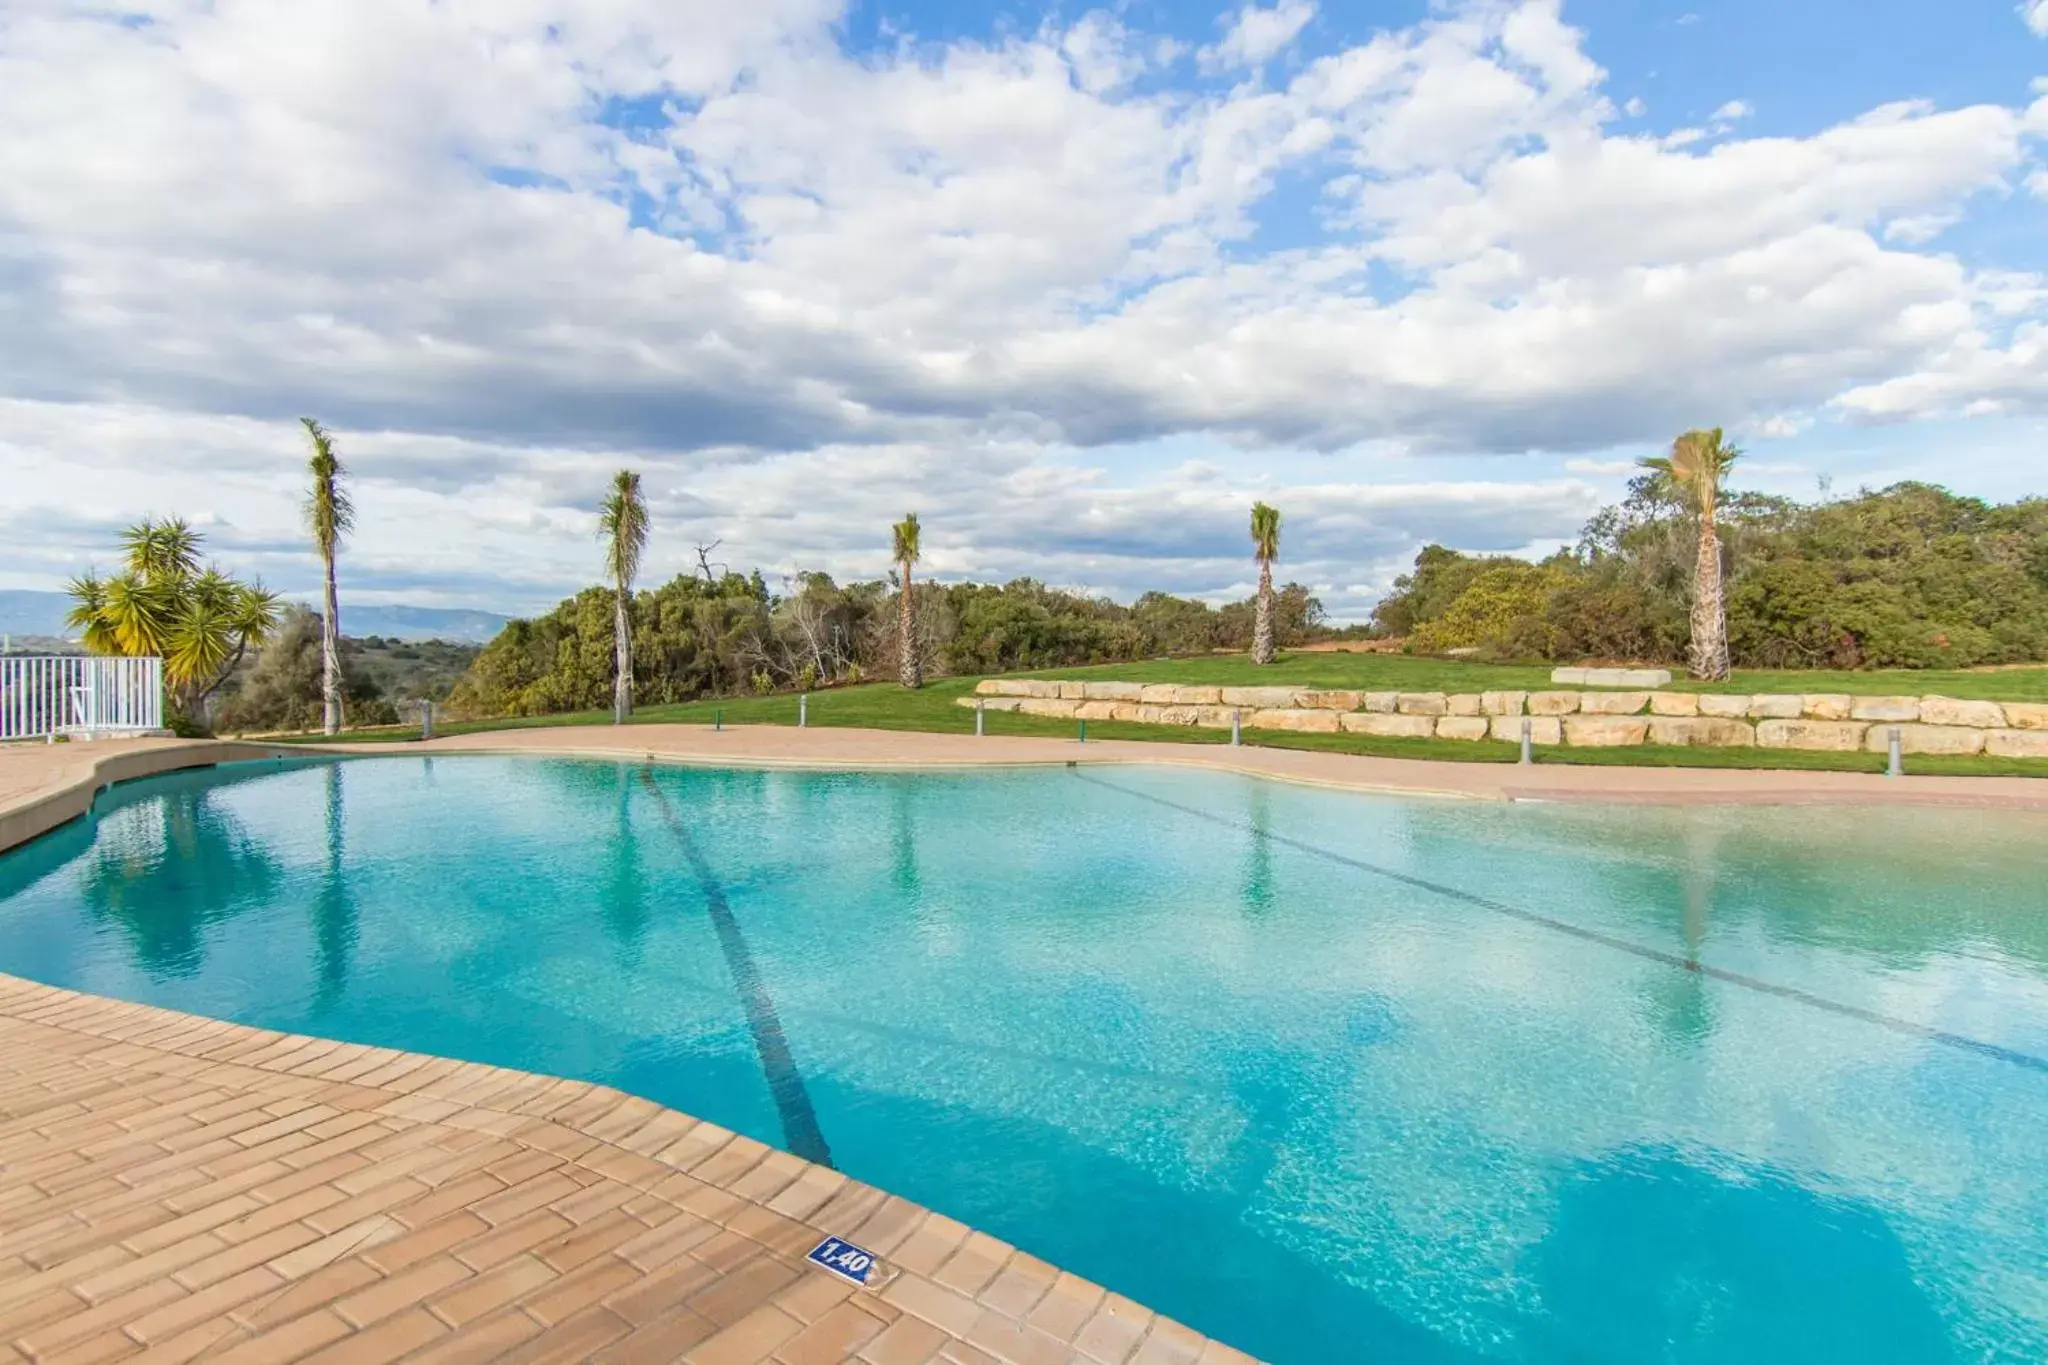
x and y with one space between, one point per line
25 613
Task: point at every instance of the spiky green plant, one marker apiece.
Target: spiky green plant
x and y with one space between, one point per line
622 522
1696 469
200 622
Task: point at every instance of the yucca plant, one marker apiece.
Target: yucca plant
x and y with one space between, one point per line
909 665
199 622
1696 468
622 521
1265 549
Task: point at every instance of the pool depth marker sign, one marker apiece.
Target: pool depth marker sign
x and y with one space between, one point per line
844 1259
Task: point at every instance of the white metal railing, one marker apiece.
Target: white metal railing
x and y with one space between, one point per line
42 696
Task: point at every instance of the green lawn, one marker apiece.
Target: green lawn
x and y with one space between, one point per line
885 706
1399 673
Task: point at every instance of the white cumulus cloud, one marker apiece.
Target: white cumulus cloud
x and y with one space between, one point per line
503 248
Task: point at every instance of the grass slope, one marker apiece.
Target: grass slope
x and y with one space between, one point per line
885 706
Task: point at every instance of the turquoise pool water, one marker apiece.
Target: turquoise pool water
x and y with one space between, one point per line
1330 1077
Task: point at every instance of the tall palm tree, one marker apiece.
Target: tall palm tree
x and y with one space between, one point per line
909 667
1265 549
330 515
1696 467
623 523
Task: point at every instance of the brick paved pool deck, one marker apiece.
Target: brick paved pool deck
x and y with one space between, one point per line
175 1188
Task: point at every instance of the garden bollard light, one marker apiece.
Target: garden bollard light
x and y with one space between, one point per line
717 721
1527 755
803 711
1893 767
1236 728
980 710
426 720
1084 732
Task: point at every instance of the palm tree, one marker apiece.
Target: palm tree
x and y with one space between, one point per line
200 622
623 523
909 667
330 516
1265 549
1698 463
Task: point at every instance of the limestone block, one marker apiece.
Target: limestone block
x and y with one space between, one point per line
1613 703
1332 701
1003 687
1214 717
1827 706
1043 688
1542 729
1131 710
1423 704
1112 691
1988 715
1198 696
1289 718
1723 704
1159 694
1705 731
1259 698
1502 703
1553 703
1926 739
991 703
1777 707
1377 723
1464 704
1837 735
1610 677
1073 691
1386 703
1048 706
2016 743
1604 732
1461 727
2026 715
1674 703
1098 710
1885 708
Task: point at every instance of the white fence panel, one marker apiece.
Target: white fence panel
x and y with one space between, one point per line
42 696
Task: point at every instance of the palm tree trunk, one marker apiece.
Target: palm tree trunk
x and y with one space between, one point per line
330 656
1262 626
1709 613
622 669
909 668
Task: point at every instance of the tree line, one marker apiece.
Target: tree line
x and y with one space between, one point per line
1909 576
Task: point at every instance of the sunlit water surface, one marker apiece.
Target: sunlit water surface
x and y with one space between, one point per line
1330 1077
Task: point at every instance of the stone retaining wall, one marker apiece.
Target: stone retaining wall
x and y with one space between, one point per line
1813 720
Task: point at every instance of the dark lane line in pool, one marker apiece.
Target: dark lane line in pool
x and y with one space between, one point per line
1642 950
800 1129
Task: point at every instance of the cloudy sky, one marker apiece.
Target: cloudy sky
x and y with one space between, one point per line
1075 284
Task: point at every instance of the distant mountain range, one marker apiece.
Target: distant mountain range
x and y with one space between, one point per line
42 613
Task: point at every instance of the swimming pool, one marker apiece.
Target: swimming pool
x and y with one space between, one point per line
1326 1076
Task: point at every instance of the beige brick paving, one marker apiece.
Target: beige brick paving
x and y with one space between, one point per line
177 1189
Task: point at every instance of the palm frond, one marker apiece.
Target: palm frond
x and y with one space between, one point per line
1265 533
330 513
907 542
622 520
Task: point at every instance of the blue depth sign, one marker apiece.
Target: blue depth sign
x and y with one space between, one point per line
843 1259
